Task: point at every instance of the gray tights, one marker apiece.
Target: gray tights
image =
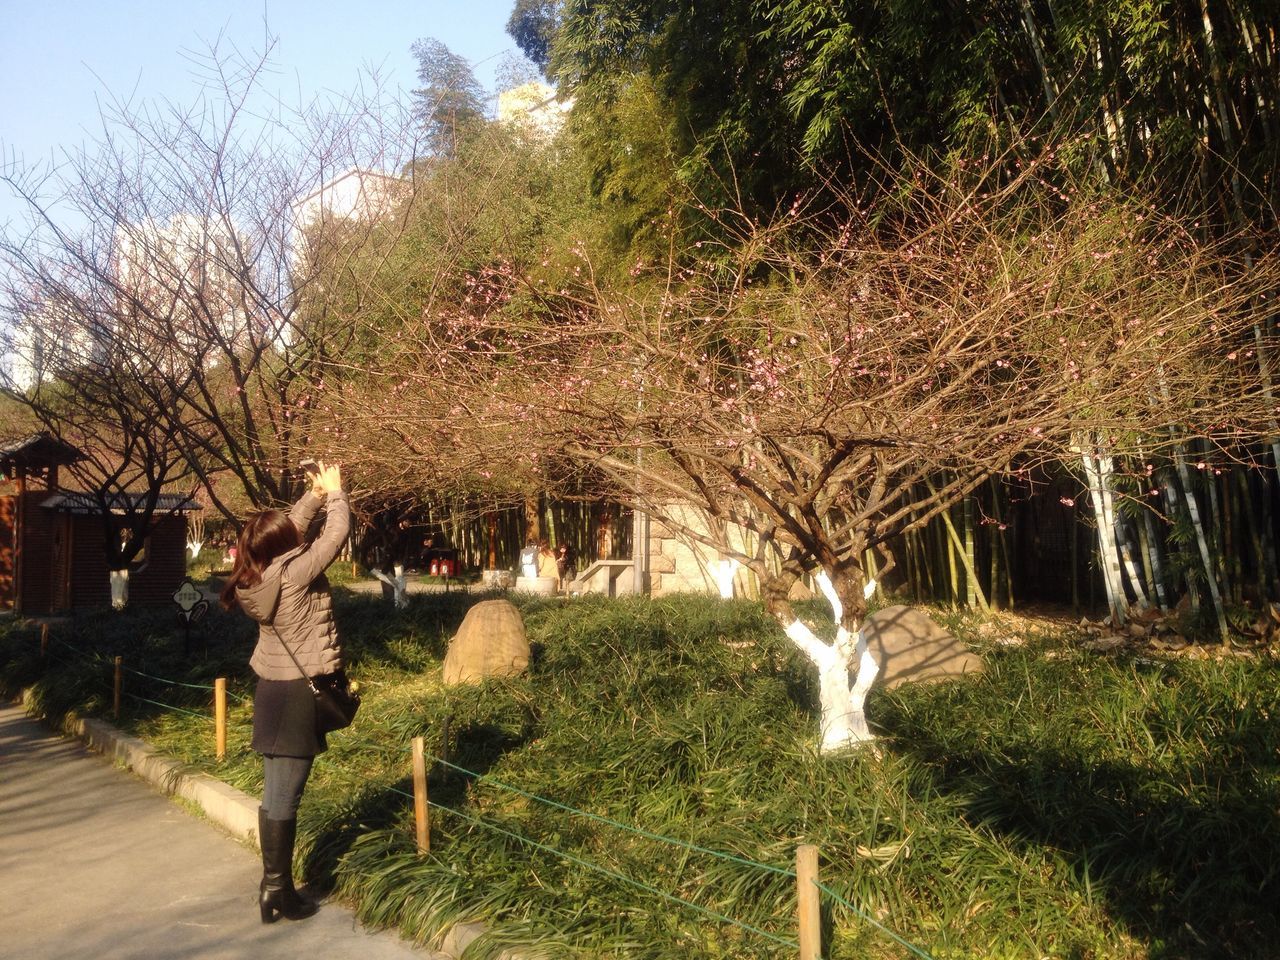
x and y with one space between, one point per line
283 780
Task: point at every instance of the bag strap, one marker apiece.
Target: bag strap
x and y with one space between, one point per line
284 643
310 682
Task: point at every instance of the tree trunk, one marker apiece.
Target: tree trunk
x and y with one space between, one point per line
397 583
119 589
1263 571
973 591
1098 470
724 572
844 722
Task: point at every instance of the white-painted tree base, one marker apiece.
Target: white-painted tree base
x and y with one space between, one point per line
399 587
724 572
119 589
844 720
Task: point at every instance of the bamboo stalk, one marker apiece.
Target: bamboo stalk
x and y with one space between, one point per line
972 589
1206 556
1262 572
958 550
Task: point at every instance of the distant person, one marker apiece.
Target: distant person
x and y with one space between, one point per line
529 560
565 563
279 581
547 568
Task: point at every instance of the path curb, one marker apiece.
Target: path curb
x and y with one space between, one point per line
233 810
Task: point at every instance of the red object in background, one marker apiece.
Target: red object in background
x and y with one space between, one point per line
446 568
435 568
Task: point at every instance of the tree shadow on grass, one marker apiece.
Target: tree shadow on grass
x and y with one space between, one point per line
1191 871
372 628
476 748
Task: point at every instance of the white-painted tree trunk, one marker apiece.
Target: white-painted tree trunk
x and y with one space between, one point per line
398 585
195 546
1202 542
1098 470
1134 574
724 572
1153 558
844 720
119 589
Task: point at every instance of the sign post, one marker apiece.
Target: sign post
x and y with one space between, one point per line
191 607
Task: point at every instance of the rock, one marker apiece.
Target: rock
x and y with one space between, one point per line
799 591
1137 630
1103 644
546 586
909 647
490 643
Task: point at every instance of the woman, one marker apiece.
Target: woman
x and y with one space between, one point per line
548 569
278 580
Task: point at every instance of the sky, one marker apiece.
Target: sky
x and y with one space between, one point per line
61 59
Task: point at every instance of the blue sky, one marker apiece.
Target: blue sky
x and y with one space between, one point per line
60 59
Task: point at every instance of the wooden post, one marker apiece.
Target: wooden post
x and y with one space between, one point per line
420 795
808 904
119 686
220 715
44 641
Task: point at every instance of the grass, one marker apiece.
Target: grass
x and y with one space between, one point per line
1063 804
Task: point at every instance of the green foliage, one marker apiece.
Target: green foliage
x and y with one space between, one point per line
532 25
770 97
1125 806
450 102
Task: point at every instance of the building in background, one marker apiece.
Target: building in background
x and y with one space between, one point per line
533 106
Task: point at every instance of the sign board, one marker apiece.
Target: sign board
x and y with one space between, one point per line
187 595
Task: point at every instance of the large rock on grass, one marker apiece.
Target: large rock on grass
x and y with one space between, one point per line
490 643
910 647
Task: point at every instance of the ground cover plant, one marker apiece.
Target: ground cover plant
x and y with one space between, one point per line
1064 804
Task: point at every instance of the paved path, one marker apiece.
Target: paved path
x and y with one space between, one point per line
96 865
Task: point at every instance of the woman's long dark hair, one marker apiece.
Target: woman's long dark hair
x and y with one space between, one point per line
264 537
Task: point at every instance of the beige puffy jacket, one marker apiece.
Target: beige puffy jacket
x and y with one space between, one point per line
292 603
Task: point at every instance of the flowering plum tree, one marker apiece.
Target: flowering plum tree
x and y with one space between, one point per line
835 378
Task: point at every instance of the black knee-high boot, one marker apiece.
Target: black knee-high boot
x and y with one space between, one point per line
276 895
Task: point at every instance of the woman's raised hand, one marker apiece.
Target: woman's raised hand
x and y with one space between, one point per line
329 477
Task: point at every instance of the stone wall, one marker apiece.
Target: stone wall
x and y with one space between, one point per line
681 564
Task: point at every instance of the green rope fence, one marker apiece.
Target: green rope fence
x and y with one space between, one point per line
570 857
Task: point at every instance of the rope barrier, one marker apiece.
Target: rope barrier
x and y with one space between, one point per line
624 826
173 683
98 657
190 686
167 706
781 941
871 920
606 871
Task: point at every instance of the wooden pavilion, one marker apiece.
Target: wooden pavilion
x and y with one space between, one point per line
52 554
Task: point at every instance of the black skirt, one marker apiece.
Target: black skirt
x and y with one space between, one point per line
284 719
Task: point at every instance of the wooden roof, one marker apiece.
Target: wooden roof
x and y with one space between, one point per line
37 451
88 503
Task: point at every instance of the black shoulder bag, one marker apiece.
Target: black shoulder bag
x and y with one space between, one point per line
336 702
